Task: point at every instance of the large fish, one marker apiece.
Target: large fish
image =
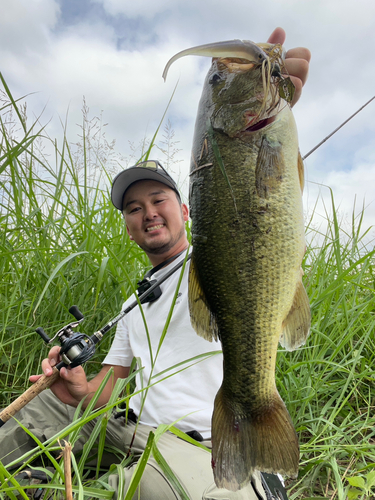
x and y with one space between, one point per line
245 284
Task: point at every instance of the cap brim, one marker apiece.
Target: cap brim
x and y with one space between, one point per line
124 179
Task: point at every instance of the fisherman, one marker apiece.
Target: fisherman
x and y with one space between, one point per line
155 219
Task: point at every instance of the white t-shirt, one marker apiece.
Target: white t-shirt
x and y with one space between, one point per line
190 393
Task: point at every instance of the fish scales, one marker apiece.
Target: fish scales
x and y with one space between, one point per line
245 284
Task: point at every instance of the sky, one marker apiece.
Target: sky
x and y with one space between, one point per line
112 54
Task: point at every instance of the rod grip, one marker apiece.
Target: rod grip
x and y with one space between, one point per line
39 386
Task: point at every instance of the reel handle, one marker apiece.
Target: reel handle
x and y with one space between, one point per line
39 386
44 382
43 334
74 311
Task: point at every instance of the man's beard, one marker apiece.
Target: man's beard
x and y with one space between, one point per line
160 248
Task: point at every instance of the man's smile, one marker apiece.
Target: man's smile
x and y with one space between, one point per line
154 228
155 219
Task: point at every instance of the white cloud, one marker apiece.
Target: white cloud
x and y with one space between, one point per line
25 26
116 63
353 193
143 8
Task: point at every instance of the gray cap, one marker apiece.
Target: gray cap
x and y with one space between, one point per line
146 170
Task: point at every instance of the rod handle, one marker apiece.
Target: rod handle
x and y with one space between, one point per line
39 386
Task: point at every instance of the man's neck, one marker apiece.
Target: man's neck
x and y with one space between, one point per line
157 259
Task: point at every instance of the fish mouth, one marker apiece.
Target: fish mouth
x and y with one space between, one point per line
257 121
260 124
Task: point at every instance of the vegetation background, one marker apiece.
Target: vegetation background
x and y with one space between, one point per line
63 243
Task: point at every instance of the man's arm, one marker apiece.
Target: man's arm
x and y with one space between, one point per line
118 372
72 385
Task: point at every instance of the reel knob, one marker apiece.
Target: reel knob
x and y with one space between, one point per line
43 334
76 313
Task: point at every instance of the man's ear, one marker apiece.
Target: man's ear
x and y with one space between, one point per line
130 236
185 212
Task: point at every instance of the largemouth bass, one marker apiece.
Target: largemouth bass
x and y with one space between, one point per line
245 284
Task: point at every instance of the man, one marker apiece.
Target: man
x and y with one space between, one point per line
155 220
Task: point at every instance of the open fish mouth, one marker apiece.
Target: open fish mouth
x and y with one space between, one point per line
256 122
260 124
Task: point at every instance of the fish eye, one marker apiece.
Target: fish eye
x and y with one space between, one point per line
215 78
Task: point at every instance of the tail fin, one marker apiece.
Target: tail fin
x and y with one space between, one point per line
265 441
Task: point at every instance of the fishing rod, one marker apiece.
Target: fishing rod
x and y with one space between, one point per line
77 348
337 129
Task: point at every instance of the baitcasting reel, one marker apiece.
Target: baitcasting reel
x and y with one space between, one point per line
76 348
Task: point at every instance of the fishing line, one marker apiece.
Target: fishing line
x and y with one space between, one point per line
338 128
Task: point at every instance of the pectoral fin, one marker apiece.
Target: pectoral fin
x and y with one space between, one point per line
296 326
202 320
270 167
301 172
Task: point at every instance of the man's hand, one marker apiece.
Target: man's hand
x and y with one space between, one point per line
296 62
72 385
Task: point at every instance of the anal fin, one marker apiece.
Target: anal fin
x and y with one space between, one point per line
296 326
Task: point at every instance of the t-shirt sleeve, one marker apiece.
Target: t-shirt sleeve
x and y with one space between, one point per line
120 353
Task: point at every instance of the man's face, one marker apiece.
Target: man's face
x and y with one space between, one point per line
154 218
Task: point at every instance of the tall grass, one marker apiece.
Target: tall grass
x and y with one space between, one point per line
63 243
329 383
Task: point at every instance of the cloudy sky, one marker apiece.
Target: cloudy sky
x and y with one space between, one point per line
113 53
